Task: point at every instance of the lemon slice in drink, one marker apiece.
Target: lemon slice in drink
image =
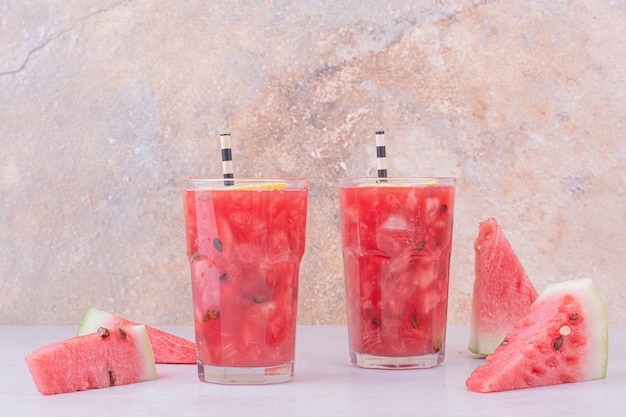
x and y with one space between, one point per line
261 186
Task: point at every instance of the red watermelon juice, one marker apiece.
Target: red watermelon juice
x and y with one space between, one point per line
244 244
396 242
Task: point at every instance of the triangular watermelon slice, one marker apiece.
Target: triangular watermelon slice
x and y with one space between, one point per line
502 291
564 338
167 348
105 358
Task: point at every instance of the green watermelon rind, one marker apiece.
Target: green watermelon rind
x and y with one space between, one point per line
483 344
91 320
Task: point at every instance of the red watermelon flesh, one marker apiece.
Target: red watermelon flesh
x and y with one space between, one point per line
564 338
108 357
167 348
502 291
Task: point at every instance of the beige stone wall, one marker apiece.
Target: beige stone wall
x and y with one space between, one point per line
105 106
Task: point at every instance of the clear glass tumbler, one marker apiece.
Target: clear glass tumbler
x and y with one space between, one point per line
396 243
244 244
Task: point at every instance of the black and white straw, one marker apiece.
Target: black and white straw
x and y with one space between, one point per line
227 159
381 154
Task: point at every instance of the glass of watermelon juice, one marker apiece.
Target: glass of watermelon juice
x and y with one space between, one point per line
244 245
396 242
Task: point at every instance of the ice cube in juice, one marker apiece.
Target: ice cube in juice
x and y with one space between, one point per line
244 247
396 243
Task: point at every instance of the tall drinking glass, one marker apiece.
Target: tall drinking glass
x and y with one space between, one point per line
244 245
396 242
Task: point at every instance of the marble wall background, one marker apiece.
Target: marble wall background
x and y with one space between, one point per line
105 106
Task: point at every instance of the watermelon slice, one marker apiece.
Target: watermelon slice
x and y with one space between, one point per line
167 348
107 357
502 291
564 338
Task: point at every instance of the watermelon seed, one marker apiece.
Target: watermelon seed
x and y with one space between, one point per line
376 322
104 332
558 343
444 208
504 342
217 244
111 378
420 246
439 346
260 299
415 322
122 333
573 317
565 330
223 276
211 315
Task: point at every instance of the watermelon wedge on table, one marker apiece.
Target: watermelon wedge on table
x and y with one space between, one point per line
105 358
502 292
167 348
564 338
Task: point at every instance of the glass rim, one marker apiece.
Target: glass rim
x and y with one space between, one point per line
198 182
438 180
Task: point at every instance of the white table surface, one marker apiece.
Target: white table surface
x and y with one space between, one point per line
324 384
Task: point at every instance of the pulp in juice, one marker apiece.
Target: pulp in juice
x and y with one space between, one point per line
396 248
244 248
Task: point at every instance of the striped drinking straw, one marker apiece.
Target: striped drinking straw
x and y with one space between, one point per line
227 159
381 154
